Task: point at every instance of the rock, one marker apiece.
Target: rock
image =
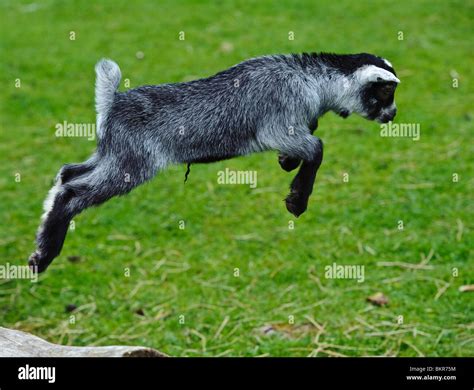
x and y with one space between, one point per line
15 343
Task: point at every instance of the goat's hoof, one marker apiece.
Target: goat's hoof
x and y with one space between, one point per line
37 263
288 163
296 204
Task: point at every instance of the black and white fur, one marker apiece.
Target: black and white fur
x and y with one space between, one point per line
265 103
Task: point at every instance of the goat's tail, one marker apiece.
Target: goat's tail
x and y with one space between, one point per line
106 84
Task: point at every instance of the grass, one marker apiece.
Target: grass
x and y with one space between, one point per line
141 280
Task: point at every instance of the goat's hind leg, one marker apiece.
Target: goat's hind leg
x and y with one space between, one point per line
72 171
53 228
84 185
56 217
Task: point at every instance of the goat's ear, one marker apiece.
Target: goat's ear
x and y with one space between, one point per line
374 74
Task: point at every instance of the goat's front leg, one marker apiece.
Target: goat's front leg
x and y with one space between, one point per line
302 185
288 163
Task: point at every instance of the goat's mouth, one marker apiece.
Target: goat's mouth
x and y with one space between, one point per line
387 115
385 118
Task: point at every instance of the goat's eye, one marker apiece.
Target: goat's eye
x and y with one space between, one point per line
385 91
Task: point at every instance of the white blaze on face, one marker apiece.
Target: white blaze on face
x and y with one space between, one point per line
387 62
371 74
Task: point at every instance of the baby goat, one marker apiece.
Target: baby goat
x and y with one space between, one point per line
265 103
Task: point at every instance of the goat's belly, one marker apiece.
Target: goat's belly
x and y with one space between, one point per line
211 159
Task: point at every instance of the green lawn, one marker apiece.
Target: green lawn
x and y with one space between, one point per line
189 274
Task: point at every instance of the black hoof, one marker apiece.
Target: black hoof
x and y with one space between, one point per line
37 263
288 163
296 204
